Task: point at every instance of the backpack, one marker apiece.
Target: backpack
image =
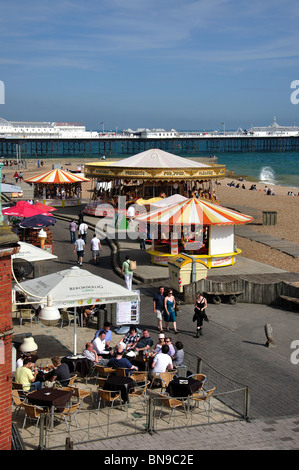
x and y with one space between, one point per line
133 265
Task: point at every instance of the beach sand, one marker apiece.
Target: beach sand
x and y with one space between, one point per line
244 200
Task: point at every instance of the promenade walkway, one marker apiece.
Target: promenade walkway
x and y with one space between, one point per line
233 342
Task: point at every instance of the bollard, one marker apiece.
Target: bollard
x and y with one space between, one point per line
269 336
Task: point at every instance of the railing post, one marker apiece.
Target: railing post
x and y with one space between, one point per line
41 432
150 415
247 404
199 365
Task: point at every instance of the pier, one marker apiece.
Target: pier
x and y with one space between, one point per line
121 145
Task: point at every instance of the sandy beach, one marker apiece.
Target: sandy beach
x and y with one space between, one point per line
286 206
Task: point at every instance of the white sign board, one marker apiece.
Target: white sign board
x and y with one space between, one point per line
128 313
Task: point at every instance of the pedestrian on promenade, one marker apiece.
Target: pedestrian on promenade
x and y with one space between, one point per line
95 247
73 228
83 227
169 311
127 272
200 304
158 301
79 248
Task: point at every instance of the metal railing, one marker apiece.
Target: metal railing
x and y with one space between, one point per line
230 401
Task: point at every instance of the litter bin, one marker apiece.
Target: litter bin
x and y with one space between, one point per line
185 269
269 218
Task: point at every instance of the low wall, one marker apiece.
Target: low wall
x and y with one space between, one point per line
253 292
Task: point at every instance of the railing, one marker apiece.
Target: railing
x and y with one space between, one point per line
230 401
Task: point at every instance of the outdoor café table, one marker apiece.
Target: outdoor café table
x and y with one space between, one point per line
182 387
51 398
44 374
122 384
141 362
77 364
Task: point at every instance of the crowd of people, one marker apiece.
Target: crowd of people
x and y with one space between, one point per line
162 356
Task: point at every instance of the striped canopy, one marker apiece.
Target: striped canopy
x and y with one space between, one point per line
57 177
194 211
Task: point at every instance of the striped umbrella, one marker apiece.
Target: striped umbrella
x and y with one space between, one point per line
194 211
57 177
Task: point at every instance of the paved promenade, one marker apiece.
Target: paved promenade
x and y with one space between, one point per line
233 343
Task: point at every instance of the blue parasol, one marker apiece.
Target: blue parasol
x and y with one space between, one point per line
37 221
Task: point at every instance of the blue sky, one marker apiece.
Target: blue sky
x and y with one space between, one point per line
148 63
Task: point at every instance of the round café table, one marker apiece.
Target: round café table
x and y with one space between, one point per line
183 387
122 384
50 398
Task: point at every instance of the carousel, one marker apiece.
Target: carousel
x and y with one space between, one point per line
149 175
57 188
195 227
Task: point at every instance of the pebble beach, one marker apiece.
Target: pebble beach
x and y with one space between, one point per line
286 206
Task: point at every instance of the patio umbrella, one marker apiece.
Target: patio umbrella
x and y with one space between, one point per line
32 253
37 221
194 211
42 208
76 287
23 209
57 177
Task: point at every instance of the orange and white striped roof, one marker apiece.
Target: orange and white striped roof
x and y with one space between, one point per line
194 211
58 177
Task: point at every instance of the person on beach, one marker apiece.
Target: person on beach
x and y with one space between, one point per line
200 305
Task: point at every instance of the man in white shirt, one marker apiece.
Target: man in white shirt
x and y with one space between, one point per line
95 246
162 362
83 227
99 345
131 213
79 248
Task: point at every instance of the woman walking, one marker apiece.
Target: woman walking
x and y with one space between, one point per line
169 312
200 305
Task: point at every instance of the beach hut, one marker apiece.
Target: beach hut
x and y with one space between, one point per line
57 188
194 226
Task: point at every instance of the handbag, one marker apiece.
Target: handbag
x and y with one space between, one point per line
133 265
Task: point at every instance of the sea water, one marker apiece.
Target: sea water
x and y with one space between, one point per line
281 168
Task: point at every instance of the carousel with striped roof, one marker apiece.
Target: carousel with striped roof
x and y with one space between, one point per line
177 209
57 188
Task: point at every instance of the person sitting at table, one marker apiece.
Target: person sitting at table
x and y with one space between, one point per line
90 353
25 376
87 314
61 372
130 339
108 332
179 355
171 351
159 345
145 342
162 361
99 345
120 361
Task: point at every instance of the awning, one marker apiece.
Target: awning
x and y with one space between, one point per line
58 177
194 211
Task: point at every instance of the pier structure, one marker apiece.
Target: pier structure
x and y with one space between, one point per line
114 146
58 140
